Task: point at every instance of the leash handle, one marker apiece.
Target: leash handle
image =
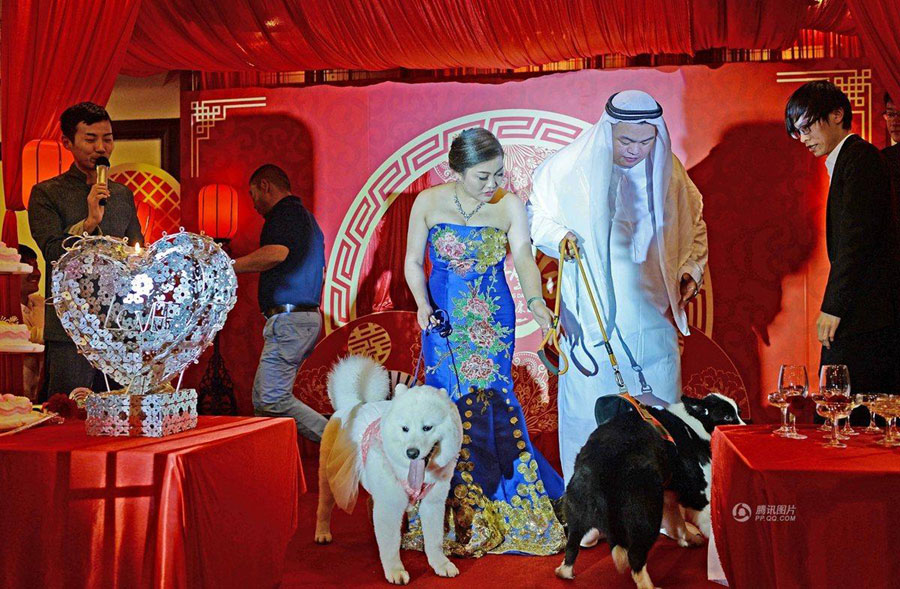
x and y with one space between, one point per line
444 329
551 338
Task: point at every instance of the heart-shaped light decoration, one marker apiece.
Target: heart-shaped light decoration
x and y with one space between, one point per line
141 316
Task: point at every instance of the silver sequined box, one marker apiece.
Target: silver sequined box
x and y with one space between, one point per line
152 414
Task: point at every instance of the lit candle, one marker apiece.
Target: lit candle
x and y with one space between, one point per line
134 258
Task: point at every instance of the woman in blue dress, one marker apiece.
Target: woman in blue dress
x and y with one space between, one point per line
502 494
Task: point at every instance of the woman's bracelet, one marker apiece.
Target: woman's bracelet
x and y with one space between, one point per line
533 299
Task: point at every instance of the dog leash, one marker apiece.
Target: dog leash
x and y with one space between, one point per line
443 329
551 338
620 381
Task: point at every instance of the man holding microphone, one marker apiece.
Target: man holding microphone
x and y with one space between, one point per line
81 200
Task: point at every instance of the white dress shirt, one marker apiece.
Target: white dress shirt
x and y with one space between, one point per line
832 157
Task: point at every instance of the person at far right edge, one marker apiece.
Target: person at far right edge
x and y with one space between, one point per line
858 319
892 153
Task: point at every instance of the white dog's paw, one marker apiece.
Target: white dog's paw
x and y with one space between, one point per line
323 537
446 569
620 559
591 539
642 579
397 576
565 571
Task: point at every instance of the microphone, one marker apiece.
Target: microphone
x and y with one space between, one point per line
102 167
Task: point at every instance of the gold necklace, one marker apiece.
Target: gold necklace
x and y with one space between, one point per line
459 205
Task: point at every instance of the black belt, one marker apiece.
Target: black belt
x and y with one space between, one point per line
277 309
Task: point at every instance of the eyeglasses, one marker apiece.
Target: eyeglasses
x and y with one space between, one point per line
801 129
890 114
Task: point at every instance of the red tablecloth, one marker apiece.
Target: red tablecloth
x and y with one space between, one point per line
212 507
835 518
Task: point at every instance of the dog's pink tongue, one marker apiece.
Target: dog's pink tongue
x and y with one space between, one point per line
416 475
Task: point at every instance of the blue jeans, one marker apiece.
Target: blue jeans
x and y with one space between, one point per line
289 338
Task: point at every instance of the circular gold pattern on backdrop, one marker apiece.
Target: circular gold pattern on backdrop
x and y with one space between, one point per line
370 339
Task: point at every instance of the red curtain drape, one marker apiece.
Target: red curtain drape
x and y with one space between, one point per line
55 53
284 35
830 15
747 24
383 285
878 27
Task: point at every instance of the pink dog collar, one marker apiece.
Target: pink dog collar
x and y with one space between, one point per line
371 436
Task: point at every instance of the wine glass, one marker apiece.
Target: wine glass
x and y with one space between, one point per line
834 389
822 410
847 430
868 401
793 381
888 406
777 399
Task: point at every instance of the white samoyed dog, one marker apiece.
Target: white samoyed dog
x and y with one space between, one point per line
402 450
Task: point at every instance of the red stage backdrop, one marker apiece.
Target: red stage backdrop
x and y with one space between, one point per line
358 155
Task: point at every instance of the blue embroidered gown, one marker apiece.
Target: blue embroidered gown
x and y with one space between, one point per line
500 496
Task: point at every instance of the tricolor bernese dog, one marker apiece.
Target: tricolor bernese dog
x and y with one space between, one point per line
629 481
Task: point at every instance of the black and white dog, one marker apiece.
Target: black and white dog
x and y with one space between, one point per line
628 481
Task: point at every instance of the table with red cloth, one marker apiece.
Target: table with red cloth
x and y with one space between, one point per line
214 506
792 513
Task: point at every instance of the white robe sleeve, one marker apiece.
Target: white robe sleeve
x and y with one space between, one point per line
544 214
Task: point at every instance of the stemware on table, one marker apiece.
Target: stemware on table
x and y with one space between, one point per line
793 382
834 392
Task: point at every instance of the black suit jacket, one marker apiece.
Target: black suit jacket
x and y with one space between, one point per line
862 242
892 160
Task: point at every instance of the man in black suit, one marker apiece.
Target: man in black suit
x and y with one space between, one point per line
892 153
858 319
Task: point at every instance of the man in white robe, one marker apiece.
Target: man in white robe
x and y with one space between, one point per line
645 251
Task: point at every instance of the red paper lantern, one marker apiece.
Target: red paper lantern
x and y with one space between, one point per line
218 209
42 159
148 217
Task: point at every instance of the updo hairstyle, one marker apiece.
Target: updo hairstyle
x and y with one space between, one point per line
472 147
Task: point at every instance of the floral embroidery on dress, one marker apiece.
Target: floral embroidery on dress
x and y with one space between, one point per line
491 250
479 251
448 245
477 338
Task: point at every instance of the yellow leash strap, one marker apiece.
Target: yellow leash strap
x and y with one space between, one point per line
551 338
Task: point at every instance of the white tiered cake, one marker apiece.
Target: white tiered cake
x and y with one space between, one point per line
11 261
16 411
14 337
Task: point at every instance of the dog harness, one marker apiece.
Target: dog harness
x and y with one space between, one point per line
372 436
646 416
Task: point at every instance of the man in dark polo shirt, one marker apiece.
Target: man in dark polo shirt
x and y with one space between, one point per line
70 204
291 263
